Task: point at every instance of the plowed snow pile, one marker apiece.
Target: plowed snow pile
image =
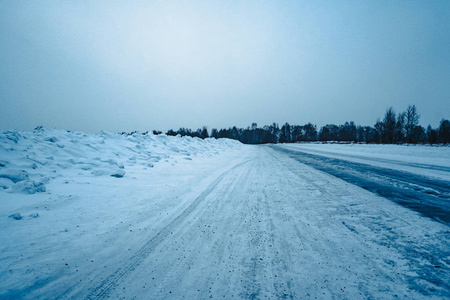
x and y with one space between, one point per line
29 160
70 200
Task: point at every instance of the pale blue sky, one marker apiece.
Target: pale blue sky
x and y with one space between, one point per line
130 65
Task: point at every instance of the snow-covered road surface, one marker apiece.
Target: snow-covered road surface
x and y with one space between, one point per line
426 160
273 228
429 196
252 223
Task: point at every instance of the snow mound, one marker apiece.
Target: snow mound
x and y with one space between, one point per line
14 175
118 174
28 187
29 160
16 216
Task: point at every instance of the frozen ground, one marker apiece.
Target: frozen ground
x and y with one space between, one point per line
206 219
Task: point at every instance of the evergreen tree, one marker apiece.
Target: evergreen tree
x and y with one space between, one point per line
171 132
204 133
214 133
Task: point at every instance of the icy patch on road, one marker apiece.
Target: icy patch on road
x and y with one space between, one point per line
406 153
422 160
29 160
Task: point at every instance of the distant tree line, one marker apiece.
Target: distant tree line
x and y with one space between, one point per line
200 133
395 128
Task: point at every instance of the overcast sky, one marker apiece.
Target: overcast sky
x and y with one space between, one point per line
130 65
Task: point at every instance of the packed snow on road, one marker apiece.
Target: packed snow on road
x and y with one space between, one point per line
141 216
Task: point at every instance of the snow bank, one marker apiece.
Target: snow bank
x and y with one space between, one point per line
29 160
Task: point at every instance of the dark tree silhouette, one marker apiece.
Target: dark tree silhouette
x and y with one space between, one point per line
432 135
204 133
214 133
171 132
329 132
444 132
399 135
285 136
310 132
411 122
347 132
394 128
389 125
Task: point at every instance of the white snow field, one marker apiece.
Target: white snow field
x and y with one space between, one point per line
155 217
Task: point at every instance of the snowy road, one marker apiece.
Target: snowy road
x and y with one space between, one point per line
265 226
429 196
270 227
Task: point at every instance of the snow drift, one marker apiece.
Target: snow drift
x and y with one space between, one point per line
29 160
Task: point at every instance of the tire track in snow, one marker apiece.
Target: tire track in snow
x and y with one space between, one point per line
375 159
429 259
107 285
273 201
427 196
280 260
199 252
179 267
255 266
265 266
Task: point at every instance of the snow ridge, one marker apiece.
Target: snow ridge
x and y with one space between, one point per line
29 160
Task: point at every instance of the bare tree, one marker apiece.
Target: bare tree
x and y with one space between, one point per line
389 124
412 121
400 127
